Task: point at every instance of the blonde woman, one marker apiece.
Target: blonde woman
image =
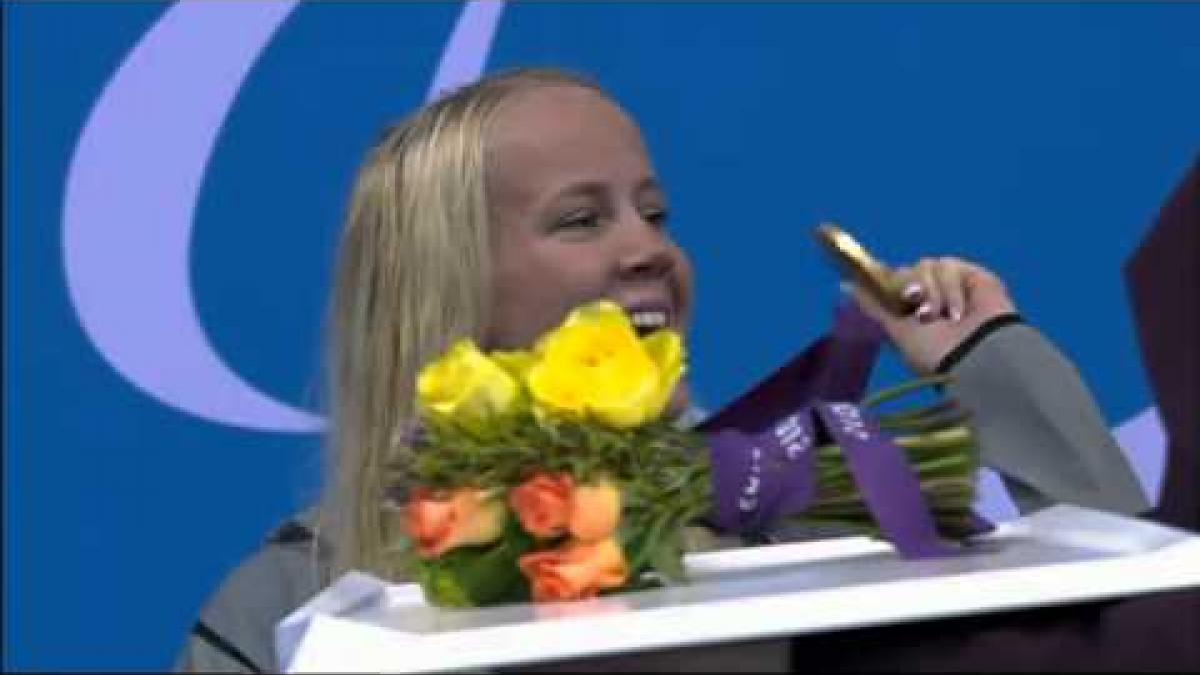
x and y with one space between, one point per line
495 210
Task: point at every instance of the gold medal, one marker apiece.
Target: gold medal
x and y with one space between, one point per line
863 269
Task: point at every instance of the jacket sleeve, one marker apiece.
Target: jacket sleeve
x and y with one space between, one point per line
1038 425
235 632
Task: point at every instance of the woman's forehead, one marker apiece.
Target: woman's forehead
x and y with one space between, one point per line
558 116
563 134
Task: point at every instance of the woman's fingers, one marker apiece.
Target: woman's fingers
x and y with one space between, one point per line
931 307
952 297
951 275
938 288
912 291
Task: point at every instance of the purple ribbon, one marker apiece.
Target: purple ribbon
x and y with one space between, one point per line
762 445
758 476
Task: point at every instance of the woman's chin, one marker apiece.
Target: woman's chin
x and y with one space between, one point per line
681 400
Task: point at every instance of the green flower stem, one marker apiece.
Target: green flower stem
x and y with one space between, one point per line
936 410
899 390
925 424
954 437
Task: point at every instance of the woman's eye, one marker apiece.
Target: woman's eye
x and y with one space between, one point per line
579 221
657 218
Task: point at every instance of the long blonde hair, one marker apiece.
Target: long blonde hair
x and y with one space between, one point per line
412 276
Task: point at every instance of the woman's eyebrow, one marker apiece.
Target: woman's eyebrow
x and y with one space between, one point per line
599 189
583 188
649 184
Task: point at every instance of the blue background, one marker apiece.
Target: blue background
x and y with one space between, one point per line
1037 140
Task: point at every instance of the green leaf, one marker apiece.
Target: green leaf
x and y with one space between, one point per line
444 589
667 559
477 576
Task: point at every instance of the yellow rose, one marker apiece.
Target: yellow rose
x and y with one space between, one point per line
466 389
594 366
665 348
517 363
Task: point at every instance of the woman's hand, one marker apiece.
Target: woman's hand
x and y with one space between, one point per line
954 298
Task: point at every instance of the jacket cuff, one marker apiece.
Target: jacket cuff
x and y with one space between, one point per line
963 348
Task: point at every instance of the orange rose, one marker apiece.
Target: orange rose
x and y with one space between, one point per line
468 517
595 511
580 570
543 504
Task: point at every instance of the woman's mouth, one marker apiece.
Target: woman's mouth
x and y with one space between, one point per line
646 321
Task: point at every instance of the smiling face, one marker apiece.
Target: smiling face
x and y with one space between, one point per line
577 214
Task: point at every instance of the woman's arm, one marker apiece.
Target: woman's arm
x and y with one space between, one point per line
1038 425
1036 421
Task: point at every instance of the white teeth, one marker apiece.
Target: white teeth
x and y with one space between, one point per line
651 319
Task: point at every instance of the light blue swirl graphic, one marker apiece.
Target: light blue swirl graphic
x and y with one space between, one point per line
134 183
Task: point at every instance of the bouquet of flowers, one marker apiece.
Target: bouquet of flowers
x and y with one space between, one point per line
556 473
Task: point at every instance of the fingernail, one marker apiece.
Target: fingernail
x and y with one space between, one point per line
913 291
925 313
956 314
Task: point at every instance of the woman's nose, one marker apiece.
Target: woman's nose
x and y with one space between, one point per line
646 252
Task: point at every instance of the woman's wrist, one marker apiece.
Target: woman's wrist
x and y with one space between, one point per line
960 351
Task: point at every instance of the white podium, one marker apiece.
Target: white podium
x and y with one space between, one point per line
1060 555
